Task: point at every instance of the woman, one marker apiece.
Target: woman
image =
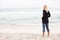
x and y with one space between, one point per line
45 21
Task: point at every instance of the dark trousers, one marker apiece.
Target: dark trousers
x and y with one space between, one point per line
45 25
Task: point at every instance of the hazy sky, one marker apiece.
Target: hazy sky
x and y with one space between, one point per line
28 3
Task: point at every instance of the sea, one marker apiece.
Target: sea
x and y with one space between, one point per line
20 16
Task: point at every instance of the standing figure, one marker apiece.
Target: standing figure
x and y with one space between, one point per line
45 20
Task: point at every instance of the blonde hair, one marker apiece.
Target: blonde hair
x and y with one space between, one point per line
45 7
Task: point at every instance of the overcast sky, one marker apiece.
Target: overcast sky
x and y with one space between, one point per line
28 3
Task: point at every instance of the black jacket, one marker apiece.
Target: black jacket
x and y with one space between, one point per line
45 17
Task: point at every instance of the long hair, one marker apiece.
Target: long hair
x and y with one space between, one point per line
45 8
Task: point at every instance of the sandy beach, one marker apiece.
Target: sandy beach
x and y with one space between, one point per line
28 32
22 19
27 36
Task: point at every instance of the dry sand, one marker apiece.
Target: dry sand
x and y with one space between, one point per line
27 36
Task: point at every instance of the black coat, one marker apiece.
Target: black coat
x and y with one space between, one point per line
45 17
